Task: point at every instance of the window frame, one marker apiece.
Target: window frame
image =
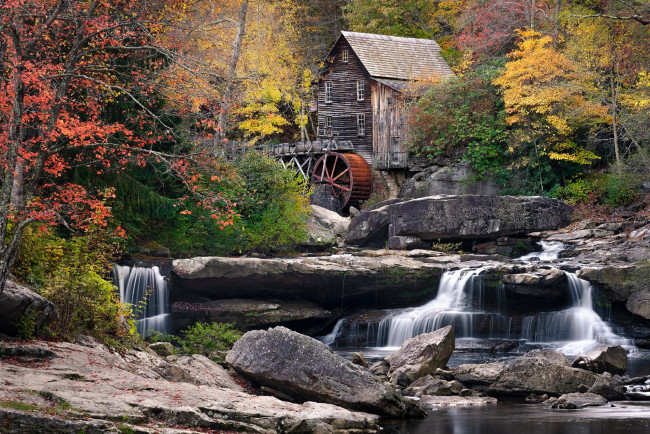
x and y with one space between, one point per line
329 91
361 85
361 124
345 57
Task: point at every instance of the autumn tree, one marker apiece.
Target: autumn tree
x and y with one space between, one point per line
63 63
545 103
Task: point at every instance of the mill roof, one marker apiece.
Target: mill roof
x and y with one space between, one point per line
397 58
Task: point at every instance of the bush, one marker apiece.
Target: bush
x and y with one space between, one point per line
621 191
587 189
461 117
70 273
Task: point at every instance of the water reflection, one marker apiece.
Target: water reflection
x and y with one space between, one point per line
507 418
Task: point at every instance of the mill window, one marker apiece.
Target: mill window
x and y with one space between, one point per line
360 90
328 125
328 91
361 124
345 55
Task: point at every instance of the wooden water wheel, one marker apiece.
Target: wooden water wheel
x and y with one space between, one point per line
347 175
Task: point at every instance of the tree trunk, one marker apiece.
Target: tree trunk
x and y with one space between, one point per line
614 125
232 72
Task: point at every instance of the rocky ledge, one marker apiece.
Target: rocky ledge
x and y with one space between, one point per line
66 387
448 217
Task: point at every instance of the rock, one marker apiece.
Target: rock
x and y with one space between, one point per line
612 359
431 402
586 363
326 228
539 372
572 401
357 359
353 212
380 368
433 386
639 304
162 252
17 300
199 370
457 217
541 283
406 243
252 314
306 369
91 389
320 280
451 179
163 349
423 354
608 389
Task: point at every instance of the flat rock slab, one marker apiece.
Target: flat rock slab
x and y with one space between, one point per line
456 401
93 387
458 217
306 369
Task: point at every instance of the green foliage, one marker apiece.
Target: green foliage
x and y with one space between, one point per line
621 191
445 247
69 272
586 189
461 117
208 339
26 325
17 405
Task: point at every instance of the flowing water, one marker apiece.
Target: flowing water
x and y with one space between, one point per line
478 312
145 290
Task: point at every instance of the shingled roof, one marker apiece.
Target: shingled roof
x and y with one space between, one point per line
397 58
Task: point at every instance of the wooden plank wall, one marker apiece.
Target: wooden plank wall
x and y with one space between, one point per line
345 107
388 130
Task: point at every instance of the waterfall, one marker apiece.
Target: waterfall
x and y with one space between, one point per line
550 252
460 302
145 290
580 325
330 338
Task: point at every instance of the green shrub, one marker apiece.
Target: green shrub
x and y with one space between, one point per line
72 273
26 325
586 189
209 339
621 191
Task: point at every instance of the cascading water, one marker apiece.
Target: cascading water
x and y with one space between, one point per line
460 302
145 290
478 312
330 338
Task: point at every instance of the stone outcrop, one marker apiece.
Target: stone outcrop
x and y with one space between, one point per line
422 355
330 281
540 283
91 389
451 179
251 314
612 359
18 300
457 217
572 401
327 229
537 372
305 369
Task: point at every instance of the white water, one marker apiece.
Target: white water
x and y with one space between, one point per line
458 292
145 290
550 252
330 338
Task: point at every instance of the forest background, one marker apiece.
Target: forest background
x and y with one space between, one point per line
114 116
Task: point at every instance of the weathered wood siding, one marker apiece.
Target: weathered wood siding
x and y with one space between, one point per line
345 107
388 130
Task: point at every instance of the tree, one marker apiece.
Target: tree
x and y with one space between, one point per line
545 103
63 63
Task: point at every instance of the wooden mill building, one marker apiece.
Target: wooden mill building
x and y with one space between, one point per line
361 92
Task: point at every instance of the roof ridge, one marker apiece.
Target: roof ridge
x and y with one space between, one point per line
388 37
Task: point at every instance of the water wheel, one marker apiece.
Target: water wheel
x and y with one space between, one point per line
347 175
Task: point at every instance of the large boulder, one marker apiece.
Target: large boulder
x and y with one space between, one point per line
423 354
449 179
306 369
572 401
458 217
326 229
536 372
612 359
18 300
